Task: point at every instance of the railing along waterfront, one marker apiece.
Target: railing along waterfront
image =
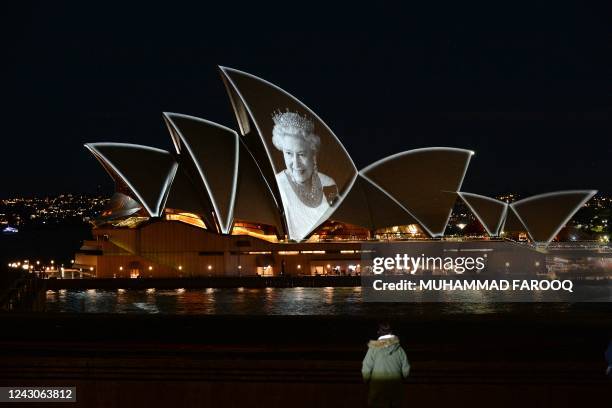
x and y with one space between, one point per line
21 292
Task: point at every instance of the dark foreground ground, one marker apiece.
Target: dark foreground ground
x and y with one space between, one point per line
516 360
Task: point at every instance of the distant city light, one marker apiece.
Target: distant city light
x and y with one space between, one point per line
19 213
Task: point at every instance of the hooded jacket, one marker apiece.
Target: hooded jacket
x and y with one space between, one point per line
385 360
384 367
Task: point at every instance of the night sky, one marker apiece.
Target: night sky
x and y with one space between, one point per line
527 87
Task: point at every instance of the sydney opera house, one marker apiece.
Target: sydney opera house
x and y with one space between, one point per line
282 196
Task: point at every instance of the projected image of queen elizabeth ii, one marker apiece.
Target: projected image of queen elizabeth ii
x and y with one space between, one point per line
306 193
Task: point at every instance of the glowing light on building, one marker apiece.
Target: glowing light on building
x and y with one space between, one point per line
187 218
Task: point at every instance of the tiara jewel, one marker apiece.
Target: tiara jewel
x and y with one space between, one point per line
294 120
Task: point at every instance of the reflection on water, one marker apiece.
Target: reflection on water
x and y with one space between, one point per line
268 301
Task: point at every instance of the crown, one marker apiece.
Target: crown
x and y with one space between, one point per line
294 120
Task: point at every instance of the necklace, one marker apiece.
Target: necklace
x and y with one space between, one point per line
311 197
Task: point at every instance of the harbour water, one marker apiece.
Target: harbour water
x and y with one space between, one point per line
338 301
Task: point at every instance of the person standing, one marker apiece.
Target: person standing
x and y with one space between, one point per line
384 368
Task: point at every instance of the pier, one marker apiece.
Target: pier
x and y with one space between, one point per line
205 282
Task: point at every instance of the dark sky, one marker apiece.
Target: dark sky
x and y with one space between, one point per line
527 87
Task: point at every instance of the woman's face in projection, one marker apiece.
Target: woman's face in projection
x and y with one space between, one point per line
299 158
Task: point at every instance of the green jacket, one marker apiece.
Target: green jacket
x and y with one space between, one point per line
384 367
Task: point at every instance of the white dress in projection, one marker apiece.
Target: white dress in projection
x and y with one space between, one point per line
300 217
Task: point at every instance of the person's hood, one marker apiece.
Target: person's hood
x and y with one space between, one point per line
391 342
